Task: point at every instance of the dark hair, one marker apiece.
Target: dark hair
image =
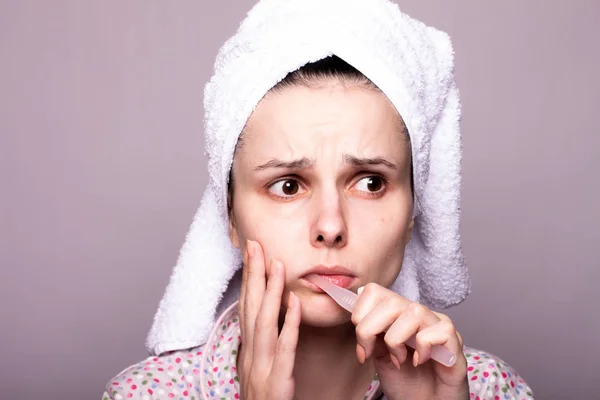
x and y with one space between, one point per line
310 75
328 68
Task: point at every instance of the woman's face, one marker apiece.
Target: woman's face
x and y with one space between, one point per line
322 180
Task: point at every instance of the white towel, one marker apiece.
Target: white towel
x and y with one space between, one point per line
410 62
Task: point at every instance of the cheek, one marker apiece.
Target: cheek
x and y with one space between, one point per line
387 238
281 234
383 239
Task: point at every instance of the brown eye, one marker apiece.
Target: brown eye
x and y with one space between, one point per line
370 184
285 188
290 187
374 184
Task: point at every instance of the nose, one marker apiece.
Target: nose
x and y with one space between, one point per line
329 228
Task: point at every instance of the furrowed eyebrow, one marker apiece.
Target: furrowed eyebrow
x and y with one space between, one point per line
305 162
361 162
294 164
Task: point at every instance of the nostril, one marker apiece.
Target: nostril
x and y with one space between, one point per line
337 240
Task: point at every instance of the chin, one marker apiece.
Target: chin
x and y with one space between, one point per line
319 310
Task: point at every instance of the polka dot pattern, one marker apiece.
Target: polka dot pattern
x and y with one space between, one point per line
209 372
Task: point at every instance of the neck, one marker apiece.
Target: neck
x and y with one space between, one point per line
326 365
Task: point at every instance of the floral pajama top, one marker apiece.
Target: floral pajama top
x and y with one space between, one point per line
209 372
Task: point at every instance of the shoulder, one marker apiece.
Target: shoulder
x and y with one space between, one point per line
492 378
171 375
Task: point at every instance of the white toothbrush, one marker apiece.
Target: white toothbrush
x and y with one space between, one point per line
347 299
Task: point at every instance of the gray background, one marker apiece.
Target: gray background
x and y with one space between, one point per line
102 167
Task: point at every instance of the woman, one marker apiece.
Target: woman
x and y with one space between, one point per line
331 173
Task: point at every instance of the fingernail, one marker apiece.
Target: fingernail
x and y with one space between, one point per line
251 248
275 267
360 353
416 358
360 289
395 361
291 300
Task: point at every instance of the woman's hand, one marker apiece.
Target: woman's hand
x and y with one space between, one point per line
384 322
266 359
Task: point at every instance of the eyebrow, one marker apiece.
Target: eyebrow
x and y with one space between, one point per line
361 162
294 164
306 162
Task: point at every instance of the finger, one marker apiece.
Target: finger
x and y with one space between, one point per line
243 288
254 293
383 360
267 322
375 322
242 360
285 355
441 316
443 333
415 318
382 354
371 295
444 317
245 351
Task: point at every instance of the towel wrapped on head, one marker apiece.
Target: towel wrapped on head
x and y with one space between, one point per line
410 62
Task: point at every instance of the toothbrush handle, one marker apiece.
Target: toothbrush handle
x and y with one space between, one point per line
438 353
347 300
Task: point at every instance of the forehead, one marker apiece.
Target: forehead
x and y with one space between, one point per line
331 98
360 116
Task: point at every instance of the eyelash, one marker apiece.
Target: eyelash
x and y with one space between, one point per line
379 193
384 183
284 179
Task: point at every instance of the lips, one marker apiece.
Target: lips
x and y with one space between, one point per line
337 275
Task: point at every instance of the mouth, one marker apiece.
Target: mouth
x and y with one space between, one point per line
339 276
